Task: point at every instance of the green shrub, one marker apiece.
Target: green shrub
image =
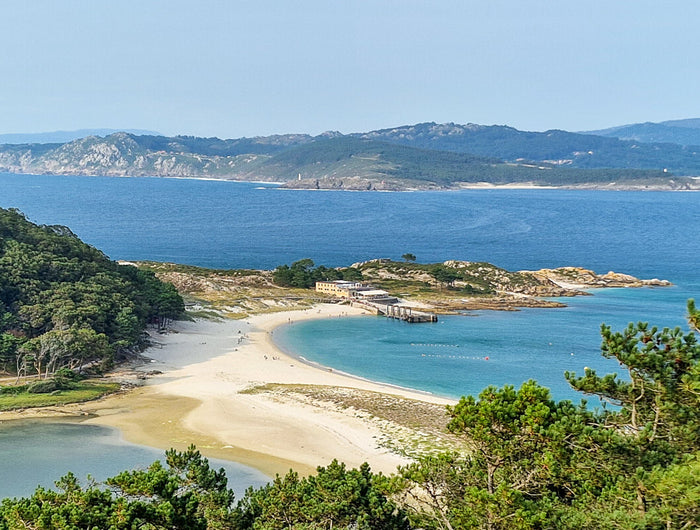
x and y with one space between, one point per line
43 387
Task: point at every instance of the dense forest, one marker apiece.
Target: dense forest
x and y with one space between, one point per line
527 461
65 305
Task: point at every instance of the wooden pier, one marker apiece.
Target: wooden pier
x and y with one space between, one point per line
407 314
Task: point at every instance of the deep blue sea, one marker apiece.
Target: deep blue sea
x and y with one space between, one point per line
228 224
243 225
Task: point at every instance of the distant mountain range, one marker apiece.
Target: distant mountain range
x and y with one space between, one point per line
681 132
60 137
555 147
421 156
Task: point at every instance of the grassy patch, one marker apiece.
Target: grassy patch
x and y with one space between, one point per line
20 398
409 427
204 314
156 267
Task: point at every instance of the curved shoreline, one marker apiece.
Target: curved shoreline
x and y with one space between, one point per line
203 396
320 366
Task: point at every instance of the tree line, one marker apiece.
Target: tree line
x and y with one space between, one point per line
526 461
64 304
477 278
303 274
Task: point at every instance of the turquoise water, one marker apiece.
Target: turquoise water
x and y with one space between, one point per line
461 355
37 453
229 225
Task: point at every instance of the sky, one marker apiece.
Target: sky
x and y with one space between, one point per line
233 68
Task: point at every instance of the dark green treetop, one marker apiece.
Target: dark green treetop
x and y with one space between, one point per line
64 303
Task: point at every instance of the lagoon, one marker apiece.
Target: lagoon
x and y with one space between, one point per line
37 453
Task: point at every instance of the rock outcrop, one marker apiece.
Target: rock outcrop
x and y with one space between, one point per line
481 285
580 278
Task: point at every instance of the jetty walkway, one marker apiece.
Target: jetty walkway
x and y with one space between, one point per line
407 314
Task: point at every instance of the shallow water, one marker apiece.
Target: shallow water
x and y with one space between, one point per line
37 453
461 355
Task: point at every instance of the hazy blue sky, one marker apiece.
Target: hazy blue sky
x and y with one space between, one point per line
246 68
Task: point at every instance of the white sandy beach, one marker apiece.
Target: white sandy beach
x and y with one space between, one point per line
197 399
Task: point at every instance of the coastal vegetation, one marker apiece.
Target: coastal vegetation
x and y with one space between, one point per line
553 147
230 293
523 460
304 274
411 427
65 307
331 163
458 285
508 458
63 388
445 287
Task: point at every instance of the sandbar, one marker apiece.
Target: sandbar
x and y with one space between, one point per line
202 396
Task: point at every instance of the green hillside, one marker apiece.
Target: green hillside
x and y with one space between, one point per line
360 157
558 147
64 304
681 132
420 156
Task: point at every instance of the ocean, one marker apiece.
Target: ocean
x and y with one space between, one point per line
245 225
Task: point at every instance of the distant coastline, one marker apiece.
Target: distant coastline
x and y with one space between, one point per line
423 156
693 184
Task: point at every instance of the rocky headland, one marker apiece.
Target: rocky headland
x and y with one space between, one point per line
448 287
